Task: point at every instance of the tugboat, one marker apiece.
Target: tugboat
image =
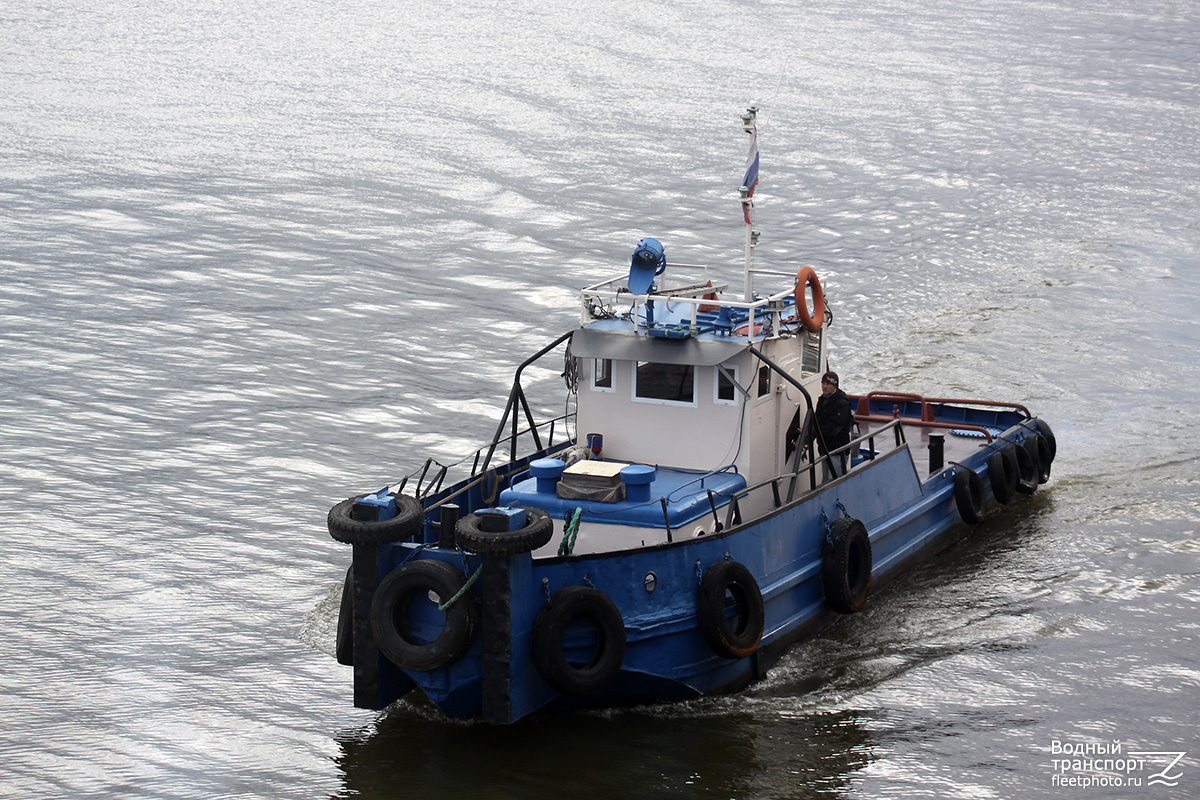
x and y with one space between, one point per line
697 528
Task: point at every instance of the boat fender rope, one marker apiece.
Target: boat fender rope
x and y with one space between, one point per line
466 588
842 508
570 532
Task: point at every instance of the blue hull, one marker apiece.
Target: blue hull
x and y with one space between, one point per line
666 654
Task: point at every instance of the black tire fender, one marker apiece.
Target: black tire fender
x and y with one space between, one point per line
1027 469
846 565
1002 475
344 528
423 580
968 496
737 635
537 531
550 647
1039 451
1046 431
344 647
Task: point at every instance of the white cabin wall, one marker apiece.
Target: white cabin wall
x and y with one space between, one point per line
773 413
707 435
703 436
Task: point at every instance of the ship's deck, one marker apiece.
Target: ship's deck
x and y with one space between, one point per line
956 444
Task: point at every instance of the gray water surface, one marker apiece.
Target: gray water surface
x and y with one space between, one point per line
255 259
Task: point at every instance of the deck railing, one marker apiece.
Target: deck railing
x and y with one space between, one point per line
928 418
764 313
855 444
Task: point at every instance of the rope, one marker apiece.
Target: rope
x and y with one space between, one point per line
462 591
570 533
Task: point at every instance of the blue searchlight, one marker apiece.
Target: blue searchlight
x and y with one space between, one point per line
648 260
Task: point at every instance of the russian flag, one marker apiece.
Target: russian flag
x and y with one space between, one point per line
750 180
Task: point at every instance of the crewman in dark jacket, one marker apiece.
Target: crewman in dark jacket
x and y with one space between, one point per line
834 418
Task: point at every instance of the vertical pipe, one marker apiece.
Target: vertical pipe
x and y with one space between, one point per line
937 449
446 526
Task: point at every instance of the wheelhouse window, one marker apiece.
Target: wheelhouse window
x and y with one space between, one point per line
664 383
764 381
726 386
602 374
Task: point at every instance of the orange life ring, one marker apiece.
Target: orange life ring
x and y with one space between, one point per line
806 278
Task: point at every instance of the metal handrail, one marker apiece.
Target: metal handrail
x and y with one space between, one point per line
885 395
985 403
925 423
869 438
515 396
479 476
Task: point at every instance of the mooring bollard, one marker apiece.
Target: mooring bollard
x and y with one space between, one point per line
446 526
937 449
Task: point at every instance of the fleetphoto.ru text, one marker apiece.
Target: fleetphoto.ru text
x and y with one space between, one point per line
1088 765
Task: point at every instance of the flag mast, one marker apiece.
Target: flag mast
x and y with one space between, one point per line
749 181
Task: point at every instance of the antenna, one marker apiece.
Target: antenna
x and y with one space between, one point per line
749 181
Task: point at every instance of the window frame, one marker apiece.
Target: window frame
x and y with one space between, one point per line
764 386
737 387
597 387
660 400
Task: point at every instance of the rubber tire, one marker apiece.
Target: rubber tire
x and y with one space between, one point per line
391 598
345 627
846 565
1045 430
1039 449
739 636
969 496
537 531
1002 475
408 520
1027 470
549 655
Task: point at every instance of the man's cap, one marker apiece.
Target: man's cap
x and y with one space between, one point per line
830 377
